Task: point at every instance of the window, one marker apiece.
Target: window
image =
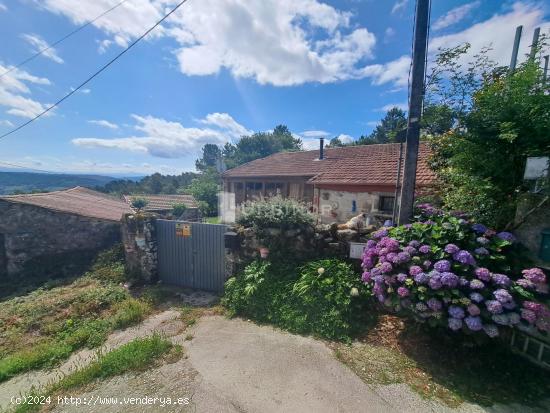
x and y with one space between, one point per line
253 191
386 203
273 189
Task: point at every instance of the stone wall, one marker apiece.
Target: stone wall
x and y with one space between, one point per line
323 240
39 242
140 246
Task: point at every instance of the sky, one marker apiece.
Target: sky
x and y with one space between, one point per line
217 70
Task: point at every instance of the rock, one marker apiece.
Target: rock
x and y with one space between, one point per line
346 234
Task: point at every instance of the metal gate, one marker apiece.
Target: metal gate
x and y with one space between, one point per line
191 254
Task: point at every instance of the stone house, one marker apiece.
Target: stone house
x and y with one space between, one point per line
56 233
337 183
162 205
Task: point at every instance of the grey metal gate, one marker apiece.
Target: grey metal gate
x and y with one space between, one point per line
191 254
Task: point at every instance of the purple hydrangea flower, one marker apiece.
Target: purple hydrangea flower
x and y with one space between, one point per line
383 232
435 281
528 315
483 274
371 244
403 292
402 258
506 236
427 264
473 309
476 285
510 305
476 297
424 249
481 251
501 279
442 265
482 240
493 306
410 250
535 275
391 257
415 270
401 277
385 267
414 243
455 324
473 323
479 228
491 330
449 279
434 304
525 283
366 277
456 311
535 307
502 296
421 278
463 281
464 257
451 249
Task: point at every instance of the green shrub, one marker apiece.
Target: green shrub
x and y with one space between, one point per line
324 298
275 212
178 209
139 203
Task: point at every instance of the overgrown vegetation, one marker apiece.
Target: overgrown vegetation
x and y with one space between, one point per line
277 212
437 366
324 298
136 355
46 326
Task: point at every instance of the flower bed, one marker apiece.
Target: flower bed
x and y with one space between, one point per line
450 272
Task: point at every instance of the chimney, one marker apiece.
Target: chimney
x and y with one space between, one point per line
321 148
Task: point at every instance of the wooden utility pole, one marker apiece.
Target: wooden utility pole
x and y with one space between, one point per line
415 110
534 44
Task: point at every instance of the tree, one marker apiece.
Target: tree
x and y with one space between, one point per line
139 203
204 189
335 143
211 155
178 209
387 130
481 161
260 145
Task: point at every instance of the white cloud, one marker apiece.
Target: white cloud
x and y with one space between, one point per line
315 134
278 42
85 91
455 15
498 32
395 72
403 106
166 139
104 123
5 122
13 88
388 34
346 139
398 6
310 144
39 44
226 122
3 7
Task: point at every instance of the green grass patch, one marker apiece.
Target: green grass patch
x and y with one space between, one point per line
136 355
43 328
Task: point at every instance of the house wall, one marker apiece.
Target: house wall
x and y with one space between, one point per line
529 232
340 203
39 242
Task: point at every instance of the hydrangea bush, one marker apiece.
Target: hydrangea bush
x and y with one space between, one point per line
451 272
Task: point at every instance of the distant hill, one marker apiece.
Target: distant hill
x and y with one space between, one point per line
23 182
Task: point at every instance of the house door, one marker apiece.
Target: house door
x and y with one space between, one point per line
294 191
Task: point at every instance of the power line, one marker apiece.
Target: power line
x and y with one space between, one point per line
13 165
105 66
50 46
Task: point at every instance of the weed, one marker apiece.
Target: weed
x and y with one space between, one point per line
129 312
189 337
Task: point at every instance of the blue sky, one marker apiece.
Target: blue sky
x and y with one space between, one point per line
216 70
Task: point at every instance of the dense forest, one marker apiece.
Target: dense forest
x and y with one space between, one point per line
28 182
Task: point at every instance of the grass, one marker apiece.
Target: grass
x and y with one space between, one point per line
442 367
136 355
212 220
44 327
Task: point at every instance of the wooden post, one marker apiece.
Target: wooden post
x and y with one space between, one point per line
415 110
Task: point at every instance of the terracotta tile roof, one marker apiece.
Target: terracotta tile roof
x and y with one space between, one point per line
163 202
78 201
352 165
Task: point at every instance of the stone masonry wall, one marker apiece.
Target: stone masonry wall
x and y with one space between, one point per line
39 242
140 246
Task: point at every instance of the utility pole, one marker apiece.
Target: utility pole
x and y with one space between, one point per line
545 73
515 49
415 110
535 43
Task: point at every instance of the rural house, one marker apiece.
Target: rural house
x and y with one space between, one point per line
338 183
163 204
53 233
